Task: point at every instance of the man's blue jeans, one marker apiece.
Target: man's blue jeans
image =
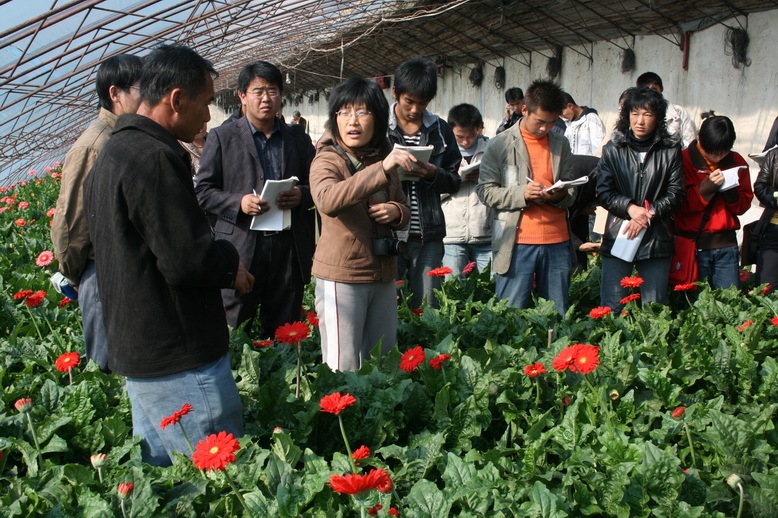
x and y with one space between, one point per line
551 265
720 266
418 259
654 273
216 407
458 256
95 337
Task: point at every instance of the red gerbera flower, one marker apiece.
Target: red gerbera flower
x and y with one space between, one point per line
177 415
67 361
417 311
362 452
35 299
23 405
44 258
765 290
411 359
437 360
534 370
23 205
468 268
50 212
312 318
600 311
586 359
745 325
394 512
293 333
373 511
399 283
565 358
20 222
335 403
774 321
64 302
679 412
263 343
354 483
685 287
22 294
632 282
216 452
439 272
630 298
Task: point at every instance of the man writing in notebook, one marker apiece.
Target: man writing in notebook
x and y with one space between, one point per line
530 237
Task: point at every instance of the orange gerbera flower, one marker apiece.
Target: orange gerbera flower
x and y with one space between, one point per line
354 483
335 403
216 452
437 360
632 282
534 370
600 312
565 358
293 333
629 298
411 359
362 452
685 287
67 361
745 325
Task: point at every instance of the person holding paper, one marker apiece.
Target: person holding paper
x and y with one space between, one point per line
357 191
468 221
765 187
640 184
703 162
410 124
530 236
237 160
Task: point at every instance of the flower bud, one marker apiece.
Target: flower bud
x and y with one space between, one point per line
566 401
98 461
125 489
278 429
679 412
23 405
614 395
733 480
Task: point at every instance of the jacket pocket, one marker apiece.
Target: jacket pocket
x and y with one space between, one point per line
223 226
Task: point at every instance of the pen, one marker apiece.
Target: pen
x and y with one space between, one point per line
648 208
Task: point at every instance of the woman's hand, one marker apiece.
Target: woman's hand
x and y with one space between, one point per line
399 158
384 213
640 219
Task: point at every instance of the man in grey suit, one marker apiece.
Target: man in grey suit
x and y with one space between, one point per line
237 159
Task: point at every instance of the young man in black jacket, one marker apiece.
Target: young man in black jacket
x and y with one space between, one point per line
410 124
158 268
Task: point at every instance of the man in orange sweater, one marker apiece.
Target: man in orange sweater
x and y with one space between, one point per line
531 238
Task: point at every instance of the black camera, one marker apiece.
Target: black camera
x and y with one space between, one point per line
388 246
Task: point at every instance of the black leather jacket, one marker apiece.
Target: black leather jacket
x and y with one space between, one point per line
446 158
624 180
764 187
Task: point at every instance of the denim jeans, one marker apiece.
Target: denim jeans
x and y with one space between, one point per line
719 266
216 407
458 256
551 265
654 273
95 337
418 259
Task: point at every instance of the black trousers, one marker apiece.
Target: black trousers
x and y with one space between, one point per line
278 287
767 259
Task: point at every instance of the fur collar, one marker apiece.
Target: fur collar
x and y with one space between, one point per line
620 139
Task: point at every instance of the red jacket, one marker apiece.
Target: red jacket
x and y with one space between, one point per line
728 204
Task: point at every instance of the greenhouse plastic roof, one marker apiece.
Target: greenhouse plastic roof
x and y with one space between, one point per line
50 49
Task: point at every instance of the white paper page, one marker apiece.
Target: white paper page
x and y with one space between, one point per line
759 157
421 153
275 218
569 183
730 178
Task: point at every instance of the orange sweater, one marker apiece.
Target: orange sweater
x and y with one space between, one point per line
541 224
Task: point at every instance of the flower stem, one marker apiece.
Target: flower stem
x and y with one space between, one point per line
70 376
186 437
691 445
35 439
742 498
121 504
237 493
348 448
608 420
56 335
32 318
100 474
537 393
299 368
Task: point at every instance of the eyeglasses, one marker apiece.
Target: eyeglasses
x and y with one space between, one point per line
261 91
346 114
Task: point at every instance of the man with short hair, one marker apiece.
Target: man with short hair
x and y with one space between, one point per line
237 160
530 237
158 267
468 221
584 128
118 93
297 118
410 124
514 99
678 120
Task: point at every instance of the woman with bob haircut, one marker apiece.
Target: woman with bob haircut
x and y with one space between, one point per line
356 189
640 183
710 215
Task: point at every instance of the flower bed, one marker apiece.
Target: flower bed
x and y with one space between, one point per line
484 410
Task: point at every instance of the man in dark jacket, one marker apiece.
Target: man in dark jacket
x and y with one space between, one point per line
158 268
410 124
237 160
